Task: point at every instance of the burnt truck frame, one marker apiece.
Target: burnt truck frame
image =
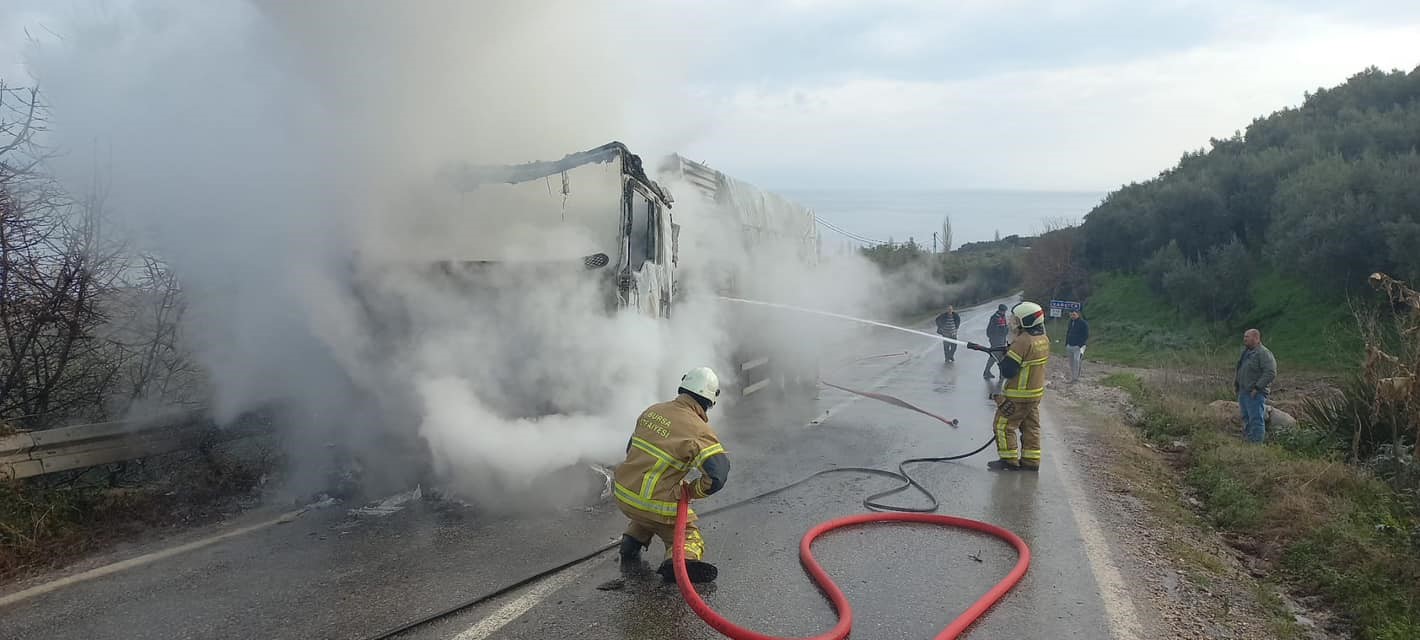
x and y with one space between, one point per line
648 243
636 265
773 232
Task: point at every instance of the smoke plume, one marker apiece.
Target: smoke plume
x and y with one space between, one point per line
283 156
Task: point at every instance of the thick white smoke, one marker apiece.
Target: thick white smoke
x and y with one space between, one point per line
279 152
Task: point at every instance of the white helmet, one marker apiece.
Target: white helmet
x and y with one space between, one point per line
1029 314
702 382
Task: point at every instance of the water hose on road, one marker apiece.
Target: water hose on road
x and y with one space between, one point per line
831 590
821 578
900 514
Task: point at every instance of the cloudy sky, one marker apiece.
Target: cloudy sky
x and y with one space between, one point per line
1069 94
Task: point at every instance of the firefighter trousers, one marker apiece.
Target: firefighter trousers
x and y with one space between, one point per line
1014 416
643 529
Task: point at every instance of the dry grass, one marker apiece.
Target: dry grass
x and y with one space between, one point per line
1328 528
44 526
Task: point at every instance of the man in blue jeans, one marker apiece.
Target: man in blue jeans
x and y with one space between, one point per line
1257 368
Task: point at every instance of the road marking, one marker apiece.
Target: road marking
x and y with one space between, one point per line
140 560
522 604
1118 605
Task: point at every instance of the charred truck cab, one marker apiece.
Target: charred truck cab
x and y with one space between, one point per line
490 247
606 193
589 232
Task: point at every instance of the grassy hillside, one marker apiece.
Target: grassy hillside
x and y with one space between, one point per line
1131 325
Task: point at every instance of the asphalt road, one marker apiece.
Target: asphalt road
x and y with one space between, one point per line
332 575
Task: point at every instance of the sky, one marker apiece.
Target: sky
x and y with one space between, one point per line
1080 95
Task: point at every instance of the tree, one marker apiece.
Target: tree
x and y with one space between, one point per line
1164 261
64 351
53 271
946 234
1054 269
1329 191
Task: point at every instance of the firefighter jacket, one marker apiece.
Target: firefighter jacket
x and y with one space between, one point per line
1023 368
670 440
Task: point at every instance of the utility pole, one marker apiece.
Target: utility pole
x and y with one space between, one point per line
934 242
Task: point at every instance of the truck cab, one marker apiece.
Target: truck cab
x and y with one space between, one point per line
607 194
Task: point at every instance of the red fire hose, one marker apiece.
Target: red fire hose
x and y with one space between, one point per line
840 602
831 590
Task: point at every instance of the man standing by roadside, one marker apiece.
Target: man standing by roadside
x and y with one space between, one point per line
997 330
947 324
1075 338
1257 368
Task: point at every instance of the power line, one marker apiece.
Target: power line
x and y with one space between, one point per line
845 233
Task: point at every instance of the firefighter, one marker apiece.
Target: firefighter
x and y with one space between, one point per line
671 440
1023 386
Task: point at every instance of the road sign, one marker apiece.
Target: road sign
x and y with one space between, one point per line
1058 307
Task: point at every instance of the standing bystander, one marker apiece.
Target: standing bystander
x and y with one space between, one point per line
947 324
1257 368
1075 338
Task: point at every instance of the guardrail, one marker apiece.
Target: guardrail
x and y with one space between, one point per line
35 453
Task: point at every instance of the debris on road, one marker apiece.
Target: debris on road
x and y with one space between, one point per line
390 505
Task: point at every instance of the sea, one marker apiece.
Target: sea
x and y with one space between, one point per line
855 217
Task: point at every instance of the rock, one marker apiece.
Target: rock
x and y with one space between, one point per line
1229 410
1279 418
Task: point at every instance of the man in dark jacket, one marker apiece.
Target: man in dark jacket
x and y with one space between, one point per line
1075 338
947 324
997 330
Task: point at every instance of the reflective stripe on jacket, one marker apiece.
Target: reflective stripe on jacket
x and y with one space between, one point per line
1031 353
671 438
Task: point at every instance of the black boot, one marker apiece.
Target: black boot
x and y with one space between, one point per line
631 549
1002 465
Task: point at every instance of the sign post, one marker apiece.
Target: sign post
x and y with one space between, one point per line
1059 307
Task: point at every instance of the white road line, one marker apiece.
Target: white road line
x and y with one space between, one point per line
1118 605
140 560
519 606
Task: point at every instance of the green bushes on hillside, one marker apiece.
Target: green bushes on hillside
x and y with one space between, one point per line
1329 191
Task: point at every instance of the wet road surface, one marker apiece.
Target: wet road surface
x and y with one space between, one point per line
331 575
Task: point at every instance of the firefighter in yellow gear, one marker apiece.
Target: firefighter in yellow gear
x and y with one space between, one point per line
671 440
1022 387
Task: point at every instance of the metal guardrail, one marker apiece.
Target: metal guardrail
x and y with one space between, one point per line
35 453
